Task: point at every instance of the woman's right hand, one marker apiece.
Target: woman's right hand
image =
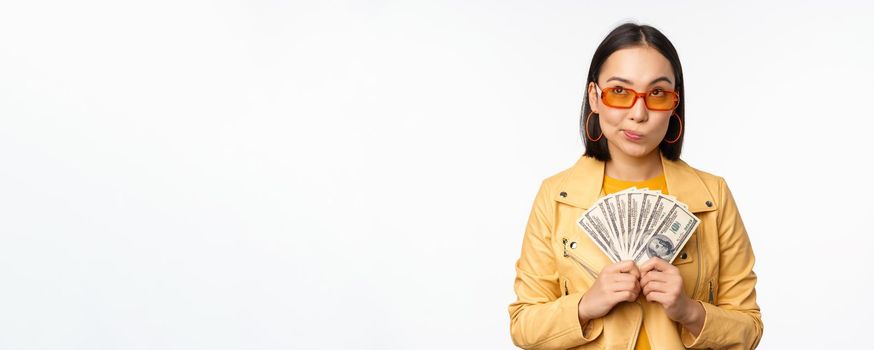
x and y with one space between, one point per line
616 283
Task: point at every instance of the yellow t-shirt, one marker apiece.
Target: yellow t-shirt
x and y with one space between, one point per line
612 185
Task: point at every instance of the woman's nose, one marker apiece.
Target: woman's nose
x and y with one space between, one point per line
638 111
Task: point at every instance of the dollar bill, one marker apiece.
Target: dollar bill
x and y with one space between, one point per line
635 201
622 218
648 201
596 226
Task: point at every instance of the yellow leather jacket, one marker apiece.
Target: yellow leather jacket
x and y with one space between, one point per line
552 274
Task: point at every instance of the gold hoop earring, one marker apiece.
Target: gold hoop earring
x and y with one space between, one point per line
587 129
679 134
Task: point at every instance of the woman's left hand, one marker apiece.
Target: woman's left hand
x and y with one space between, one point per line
662 283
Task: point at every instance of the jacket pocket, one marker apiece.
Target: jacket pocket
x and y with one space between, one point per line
684 257
688 252
582 263
565 286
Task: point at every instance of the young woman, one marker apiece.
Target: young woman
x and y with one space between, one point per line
569 293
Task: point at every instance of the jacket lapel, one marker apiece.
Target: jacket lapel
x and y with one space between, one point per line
583 184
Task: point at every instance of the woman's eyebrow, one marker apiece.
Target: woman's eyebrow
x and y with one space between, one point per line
665 79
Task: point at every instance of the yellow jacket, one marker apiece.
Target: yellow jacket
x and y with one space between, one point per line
551 276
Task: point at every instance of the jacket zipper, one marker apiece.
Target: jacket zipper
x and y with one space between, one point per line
710 284
565 288
578 260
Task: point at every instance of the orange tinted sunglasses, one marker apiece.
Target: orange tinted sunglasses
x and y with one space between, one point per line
620 97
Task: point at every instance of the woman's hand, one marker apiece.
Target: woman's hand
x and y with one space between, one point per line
616 283
663 284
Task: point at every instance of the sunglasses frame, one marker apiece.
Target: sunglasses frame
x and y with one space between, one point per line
639 95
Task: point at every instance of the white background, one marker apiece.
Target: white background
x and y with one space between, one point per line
272 175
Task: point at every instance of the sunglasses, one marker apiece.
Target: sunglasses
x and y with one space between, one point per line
656 99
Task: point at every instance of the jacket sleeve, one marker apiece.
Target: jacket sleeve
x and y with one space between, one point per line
735 321
541 317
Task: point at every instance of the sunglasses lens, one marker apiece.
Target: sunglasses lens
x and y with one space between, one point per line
661 100
617 97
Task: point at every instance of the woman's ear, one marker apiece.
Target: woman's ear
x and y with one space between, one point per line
592 95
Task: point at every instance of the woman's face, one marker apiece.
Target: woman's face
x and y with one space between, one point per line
634 131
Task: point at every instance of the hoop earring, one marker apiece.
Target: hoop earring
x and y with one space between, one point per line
587 129
679 134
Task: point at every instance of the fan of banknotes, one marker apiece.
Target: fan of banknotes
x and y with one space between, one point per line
636 224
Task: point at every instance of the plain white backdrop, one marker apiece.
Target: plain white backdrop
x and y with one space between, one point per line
358 174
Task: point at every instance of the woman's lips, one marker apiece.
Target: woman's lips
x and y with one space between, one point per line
633 136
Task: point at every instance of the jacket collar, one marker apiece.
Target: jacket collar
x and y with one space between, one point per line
583 184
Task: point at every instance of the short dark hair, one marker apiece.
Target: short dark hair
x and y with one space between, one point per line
625 36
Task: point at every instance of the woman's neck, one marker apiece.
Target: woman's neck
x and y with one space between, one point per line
628 168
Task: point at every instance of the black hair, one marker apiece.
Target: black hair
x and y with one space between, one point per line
625 36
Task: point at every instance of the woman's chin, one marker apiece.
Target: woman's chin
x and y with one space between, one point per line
636 150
